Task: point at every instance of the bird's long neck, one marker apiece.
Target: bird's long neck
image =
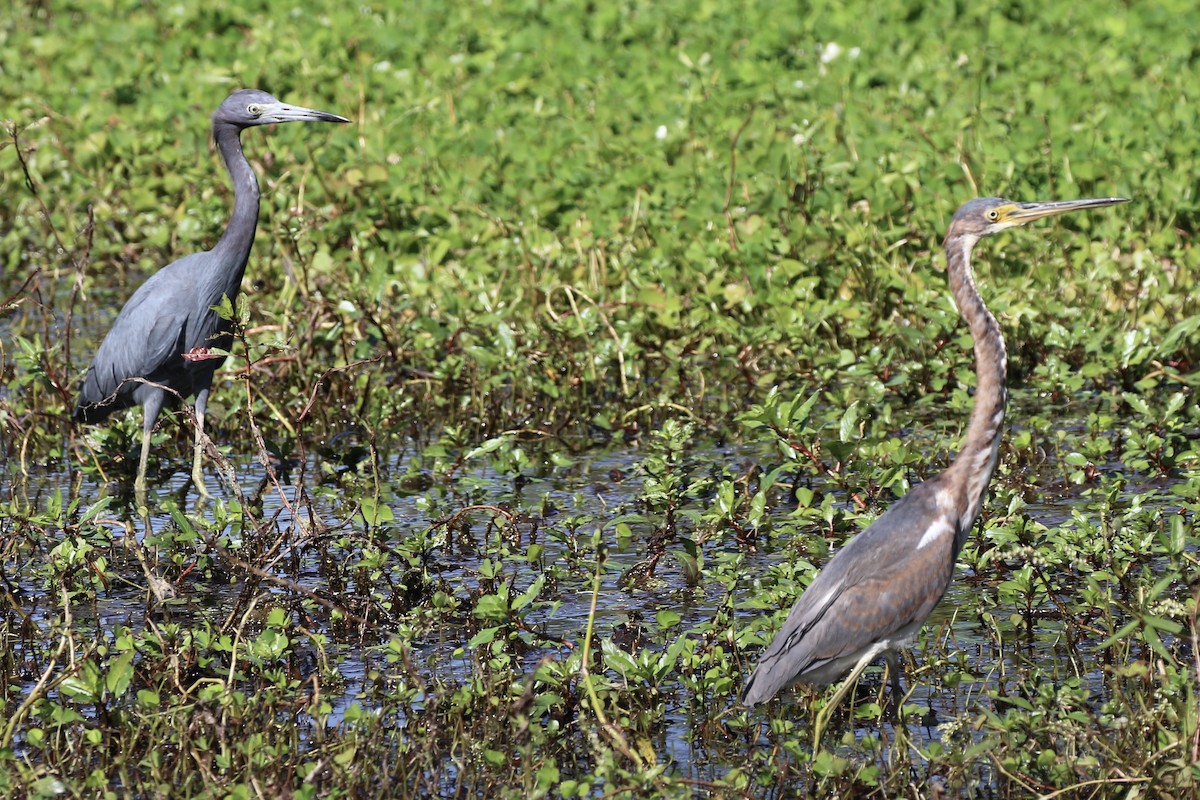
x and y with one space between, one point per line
234 246
969 473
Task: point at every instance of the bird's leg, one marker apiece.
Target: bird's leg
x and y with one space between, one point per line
197 472
827 710
151 407
892 658
139 483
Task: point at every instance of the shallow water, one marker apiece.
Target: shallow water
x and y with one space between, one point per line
560 508
589 489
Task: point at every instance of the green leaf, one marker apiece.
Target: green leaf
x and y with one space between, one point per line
490 446
120 673
530 594
492 607
848 427
485 636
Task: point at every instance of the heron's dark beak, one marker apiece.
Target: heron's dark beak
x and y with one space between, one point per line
1021 213
282 112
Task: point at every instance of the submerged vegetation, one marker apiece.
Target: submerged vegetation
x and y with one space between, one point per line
559 377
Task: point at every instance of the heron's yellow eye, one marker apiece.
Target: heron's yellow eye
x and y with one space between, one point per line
253 110
993 215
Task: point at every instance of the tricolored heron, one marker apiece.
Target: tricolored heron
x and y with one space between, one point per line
158 346
878 589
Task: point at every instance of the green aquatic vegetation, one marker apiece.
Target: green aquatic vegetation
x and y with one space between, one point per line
556 384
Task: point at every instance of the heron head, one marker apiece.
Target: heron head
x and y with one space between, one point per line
247 107
986 215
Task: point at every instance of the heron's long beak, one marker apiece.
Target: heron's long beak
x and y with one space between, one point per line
1020 213
282 112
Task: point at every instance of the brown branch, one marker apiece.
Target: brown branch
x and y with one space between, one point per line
290 585
312 398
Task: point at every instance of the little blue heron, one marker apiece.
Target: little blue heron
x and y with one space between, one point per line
878 589
159 346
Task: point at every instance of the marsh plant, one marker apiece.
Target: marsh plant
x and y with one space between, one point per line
556 380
